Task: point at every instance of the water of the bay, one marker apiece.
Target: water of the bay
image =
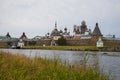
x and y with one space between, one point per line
107 60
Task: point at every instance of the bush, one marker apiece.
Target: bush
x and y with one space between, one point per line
62 41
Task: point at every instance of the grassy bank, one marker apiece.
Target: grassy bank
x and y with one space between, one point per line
62 47
19 67
76 48
3 47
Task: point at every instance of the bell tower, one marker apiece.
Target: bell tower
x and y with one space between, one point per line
83 27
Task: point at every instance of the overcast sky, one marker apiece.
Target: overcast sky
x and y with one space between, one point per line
37 17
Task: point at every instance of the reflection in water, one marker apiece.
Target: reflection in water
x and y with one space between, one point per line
99 61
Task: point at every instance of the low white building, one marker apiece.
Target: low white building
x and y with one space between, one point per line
100 43
20 43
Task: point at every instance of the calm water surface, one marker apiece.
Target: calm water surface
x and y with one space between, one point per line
109 64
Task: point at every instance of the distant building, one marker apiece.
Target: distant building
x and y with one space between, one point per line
66 33
55 31
8 40
23 36
24 39
82 29
100 42
20 43
8 35
36 38
96 33
82 36
109 36
55 34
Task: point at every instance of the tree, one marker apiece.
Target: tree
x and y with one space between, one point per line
61 41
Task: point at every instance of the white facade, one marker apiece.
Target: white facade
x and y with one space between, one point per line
20 43
56 37
100 43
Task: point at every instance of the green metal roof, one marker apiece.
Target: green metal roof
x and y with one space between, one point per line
4 38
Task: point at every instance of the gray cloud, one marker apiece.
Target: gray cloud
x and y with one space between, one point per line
37 17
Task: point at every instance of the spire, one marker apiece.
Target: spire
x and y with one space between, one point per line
97 31
55 24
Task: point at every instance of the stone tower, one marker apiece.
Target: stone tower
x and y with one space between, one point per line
83 27
96 33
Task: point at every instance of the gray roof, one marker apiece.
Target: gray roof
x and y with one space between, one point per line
97 31
55 32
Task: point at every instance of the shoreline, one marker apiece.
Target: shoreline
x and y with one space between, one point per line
75 48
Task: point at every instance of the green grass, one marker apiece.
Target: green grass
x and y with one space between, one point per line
19 67
75 48
62 47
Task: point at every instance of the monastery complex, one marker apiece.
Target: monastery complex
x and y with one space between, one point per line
83 36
